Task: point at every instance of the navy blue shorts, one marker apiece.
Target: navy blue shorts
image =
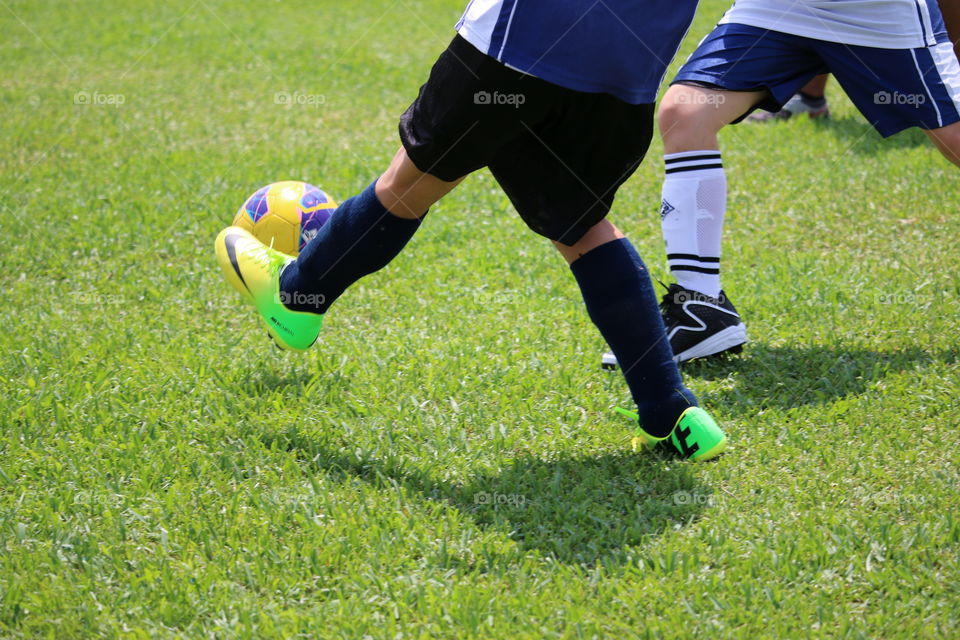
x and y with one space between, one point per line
894 89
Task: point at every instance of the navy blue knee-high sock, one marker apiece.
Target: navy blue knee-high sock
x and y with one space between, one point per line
359 238
622 303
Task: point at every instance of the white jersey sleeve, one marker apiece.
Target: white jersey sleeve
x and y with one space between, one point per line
884 24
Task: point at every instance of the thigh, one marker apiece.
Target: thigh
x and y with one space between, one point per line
690 116
470 106
896 89
563 174
947 141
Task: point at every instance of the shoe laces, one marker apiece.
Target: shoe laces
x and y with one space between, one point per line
261 256
667 301
664 299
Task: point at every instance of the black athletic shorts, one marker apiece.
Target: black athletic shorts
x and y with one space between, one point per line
560 155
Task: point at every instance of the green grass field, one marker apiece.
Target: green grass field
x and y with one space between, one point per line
446 462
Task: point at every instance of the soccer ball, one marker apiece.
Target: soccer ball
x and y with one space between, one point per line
285 215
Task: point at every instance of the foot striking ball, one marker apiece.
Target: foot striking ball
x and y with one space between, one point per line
285 215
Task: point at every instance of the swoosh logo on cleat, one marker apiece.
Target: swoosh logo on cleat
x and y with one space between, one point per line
229 241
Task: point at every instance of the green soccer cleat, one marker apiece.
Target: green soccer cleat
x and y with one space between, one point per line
253 269
696 436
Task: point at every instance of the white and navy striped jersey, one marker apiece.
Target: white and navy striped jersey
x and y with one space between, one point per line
883 24
620 47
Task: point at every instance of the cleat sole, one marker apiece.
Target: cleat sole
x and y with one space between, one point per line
723 341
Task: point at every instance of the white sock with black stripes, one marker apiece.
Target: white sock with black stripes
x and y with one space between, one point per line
691 217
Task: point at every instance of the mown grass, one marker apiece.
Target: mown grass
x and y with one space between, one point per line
446 462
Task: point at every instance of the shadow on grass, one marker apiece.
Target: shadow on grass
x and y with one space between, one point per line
301 381
861 134
793 376
578 510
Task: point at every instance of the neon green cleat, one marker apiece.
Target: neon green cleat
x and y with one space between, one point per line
253 269
696 436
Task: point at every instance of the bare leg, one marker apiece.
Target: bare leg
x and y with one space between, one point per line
817 87
690 117
600 233
407 192
947 140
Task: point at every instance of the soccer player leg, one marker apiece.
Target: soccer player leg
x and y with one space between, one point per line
562 177
407 192
362 236
444 138
446 134
734 70
947 140
621 302
694 195
700 320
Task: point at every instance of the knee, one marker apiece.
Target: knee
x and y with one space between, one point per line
672 116
686 123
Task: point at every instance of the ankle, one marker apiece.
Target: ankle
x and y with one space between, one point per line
815 101
699 289
293 297
658 418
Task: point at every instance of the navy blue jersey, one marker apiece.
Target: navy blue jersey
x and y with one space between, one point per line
620 47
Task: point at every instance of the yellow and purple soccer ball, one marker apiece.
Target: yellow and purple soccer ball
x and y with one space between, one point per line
285 215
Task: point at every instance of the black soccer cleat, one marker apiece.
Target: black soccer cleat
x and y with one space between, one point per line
698 326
